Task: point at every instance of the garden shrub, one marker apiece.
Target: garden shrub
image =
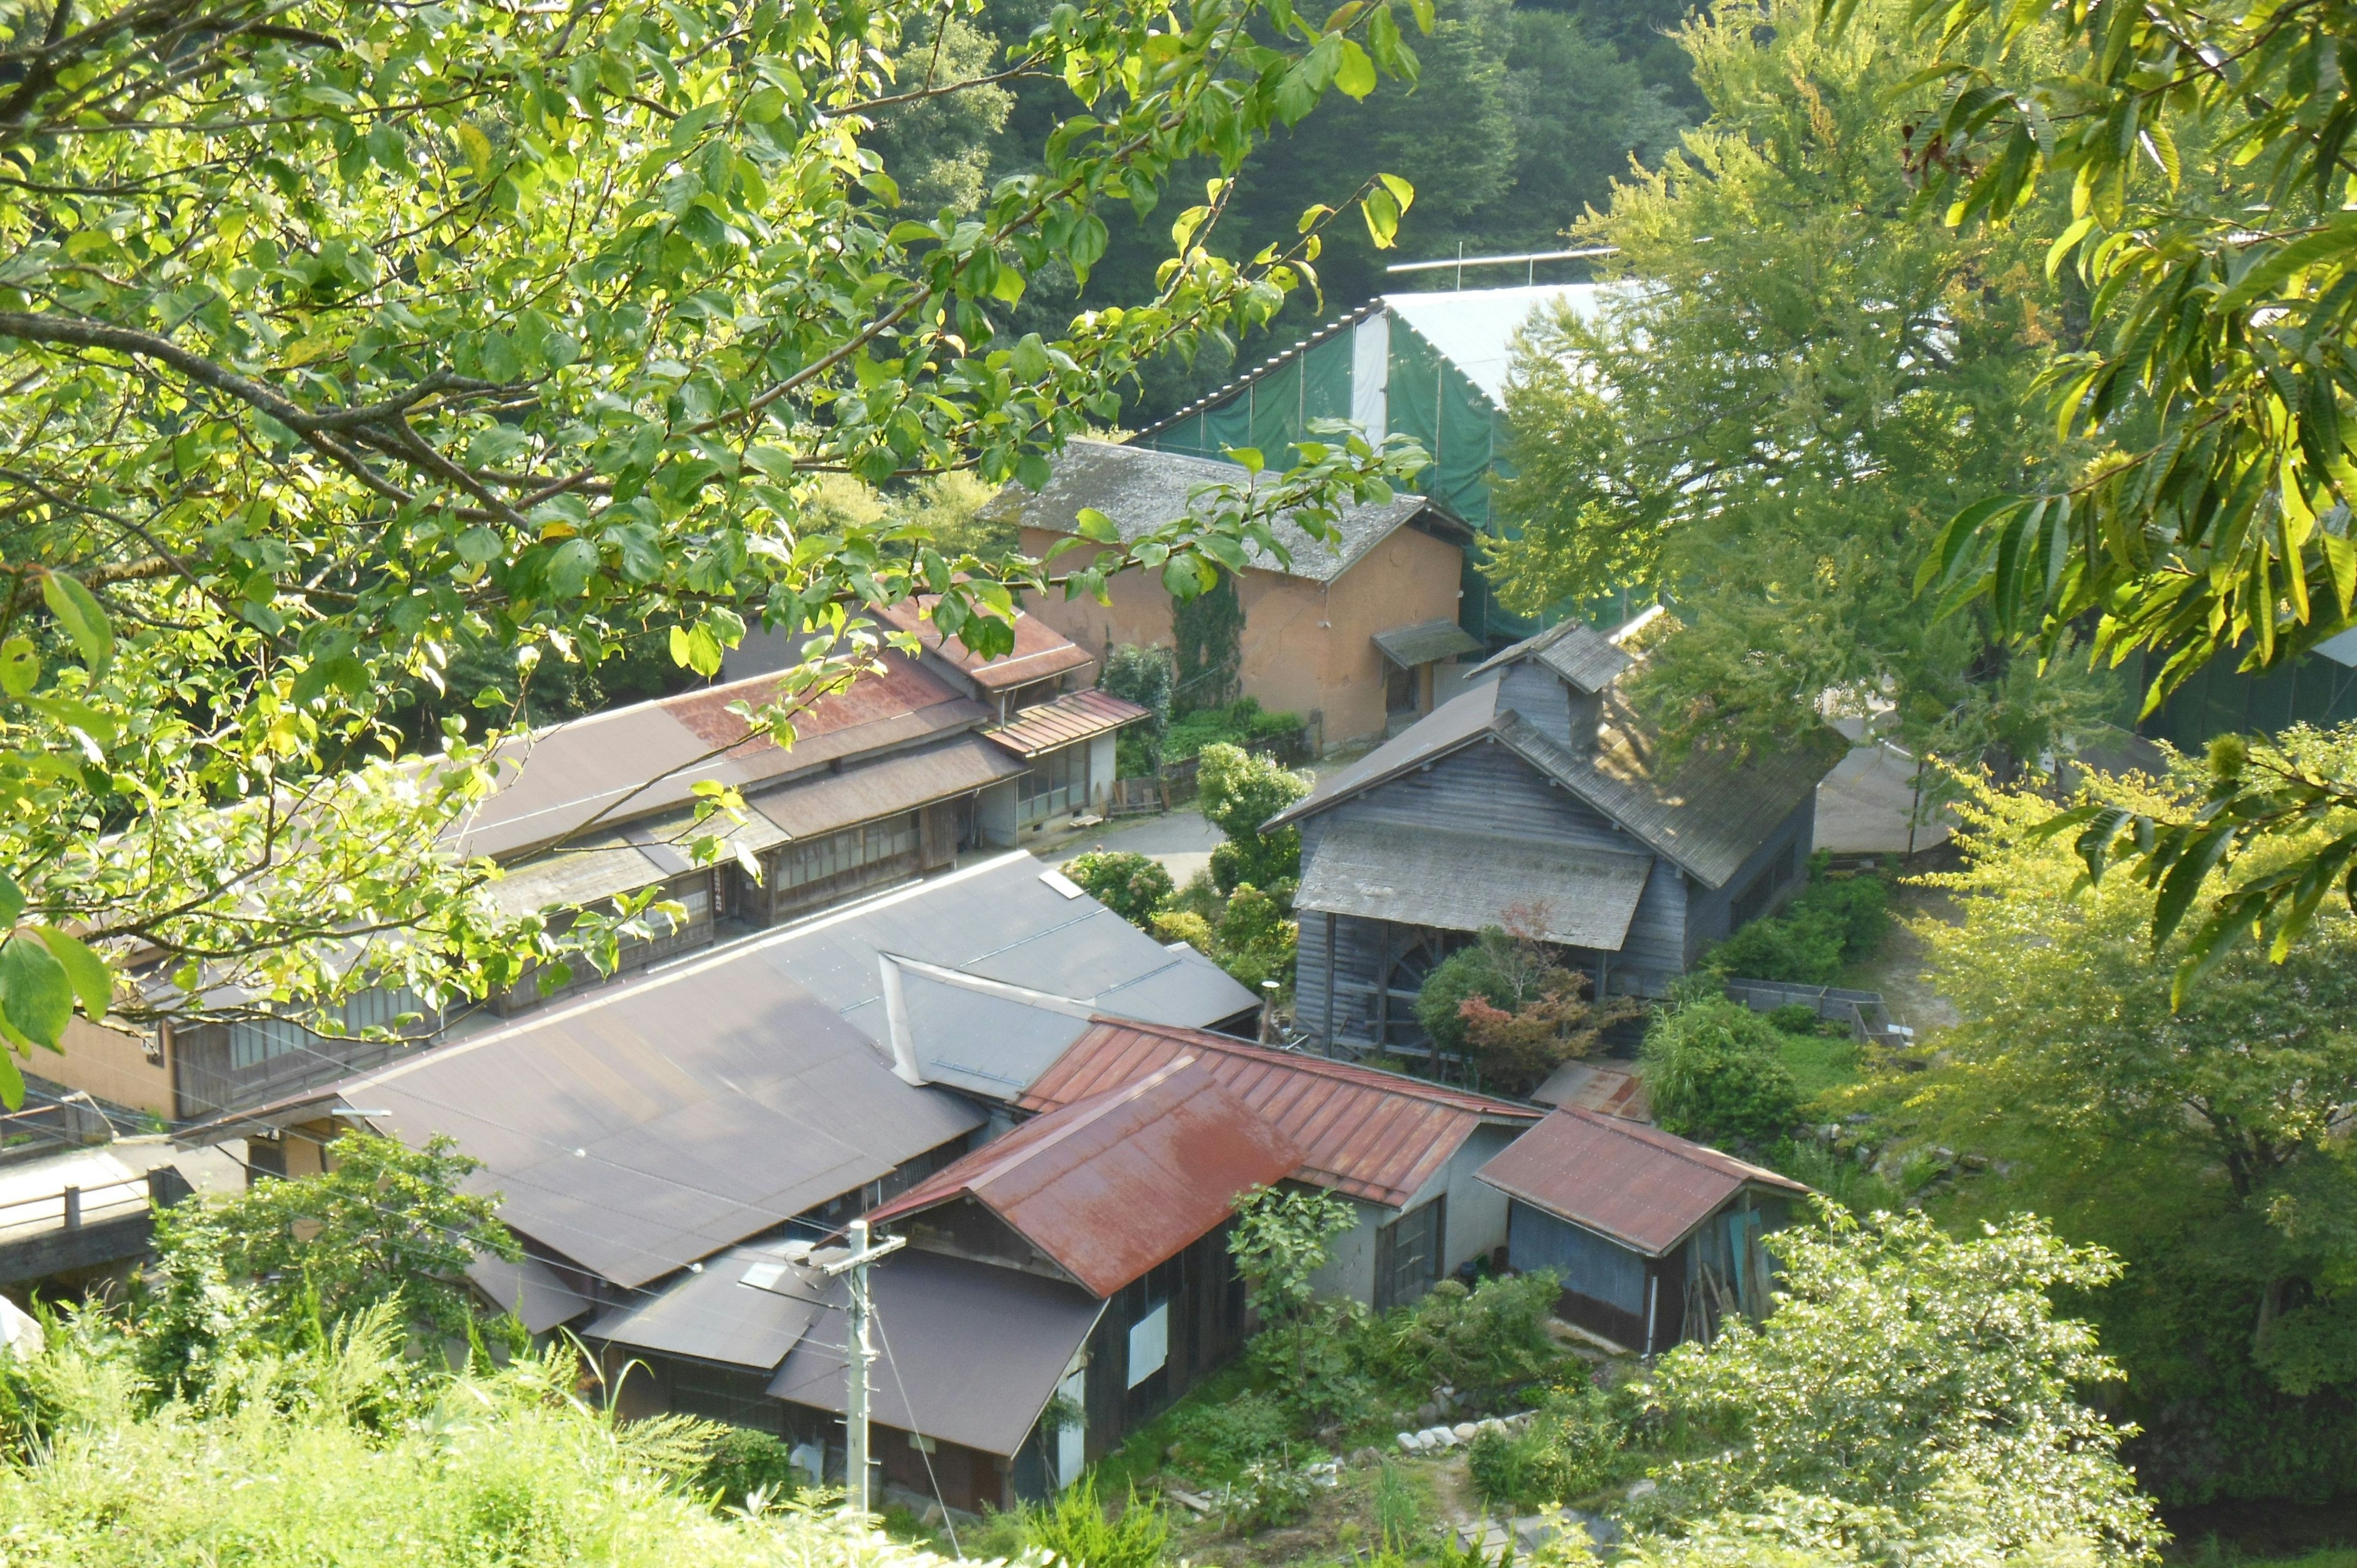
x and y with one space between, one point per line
1249 936
1131 886
1508 1007
1241 724
743 1462
1715 1072
1834 920
1074 1530
1215 1442
1575 1446
1481 1342
1239 792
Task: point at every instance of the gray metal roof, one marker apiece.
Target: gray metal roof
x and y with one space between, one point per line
901 782
984 1036
1463 882
1426 642
531 1289
1141 489
1002 920
967 1353
1706 809
747 1308
1579 654
656 1122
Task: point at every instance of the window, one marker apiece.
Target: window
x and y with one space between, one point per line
253 1041
1149 1344
1407 1255
869 843
1056 783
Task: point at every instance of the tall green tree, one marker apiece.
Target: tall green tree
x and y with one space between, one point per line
1803 380
2205 1144
2205 152
337 337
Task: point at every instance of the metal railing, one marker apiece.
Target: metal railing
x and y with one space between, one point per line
76 1208
1868 1019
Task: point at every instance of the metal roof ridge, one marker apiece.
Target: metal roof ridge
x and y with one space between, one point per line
727 954
1327 1067
1694 1153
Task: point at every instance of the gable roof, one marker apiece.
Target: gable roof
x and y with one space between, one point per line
1579 654
1110 1186
1645 1188
1371 1135
1461 881
1041 651
1141 489
653 1124
1706 811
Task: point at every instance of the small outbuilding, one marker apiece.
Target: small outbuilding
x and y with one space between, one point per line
1656 1239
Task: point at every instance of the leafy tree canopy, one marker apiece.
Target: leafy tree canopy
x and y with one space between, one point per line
2205 155
1807 378
2203 1143
337 338
1910 1387
1715 1070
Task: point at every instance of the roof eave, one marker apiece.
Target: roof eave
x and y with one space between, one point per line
1309 807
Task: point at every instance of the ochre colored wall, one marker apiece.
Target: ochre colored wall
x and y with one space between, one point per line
1307 647
109 1065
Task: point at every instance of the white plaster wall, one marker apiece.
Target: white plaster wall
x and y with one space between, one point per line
994 814
1477 1212
1349 1270
1102 765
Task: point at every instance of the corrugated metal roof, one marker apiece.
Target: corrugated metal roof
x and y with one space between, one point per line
1602 1086
1142 490
1464 882
535 1292
900 782
1041 651
597 866
1426 642
1579 654
1706 811
1372 1134
1072 718
967 1353
1110 1186
641 761
1638 1185
746 1307
653 1124
984 1037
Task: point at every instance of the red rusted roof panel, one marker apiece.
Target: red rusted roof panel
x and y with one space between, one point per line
1040 651
1074 717
1369 1133
1631 1182
1114 1184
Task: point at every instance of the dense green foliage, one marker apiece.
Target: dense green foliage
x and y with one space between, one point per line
1140 675
1771 431
1715 1072
1582 1440
1505 1007
1910 1388
1133 885
1832 922
1207 647
1075 1529
241 1279
2205 1144
1239 792
1242 724
337 340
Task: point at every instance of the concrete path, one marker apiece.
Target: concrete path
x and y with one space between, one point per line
1864 803
1182 840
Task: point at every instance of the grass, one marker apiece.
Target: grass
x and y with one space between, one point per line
1139 1458
1819 1062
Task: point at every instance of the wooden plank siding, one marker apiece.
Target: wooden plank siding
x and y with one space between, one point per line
1484 788
1772 873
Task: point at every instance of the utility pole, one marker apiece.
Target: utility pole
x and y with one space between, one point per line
861 1355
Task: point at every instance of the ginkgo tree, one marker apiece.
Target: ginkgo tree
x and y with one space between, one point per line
337 337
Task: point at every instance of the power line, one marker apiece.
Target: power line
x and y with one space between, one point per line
910 1405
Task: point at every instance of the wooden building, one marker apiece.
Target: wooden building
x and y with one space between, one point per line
1656 1239
1540 800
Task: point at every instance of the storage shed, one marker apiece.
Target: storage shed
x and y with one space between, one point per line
1656 1239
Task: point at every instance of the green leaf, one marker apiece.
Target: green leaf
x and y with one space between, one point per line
570 568
77 611
1094 525
478 546
1029 361
20 667
12 902
1402 191
1033 472
34 991
11 1082
1355 75
85 970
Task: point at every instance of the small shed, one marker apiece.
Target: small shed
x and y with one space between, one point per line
1656 1239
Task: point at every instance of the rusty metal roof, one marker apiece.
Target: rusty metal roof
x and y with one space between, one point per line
1110 1186
1610 1087
1074 717
1371 1135
1645 1188
900 782
1041 651
634 762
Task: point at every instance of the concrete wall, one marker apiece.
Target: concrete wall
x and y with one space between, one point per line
111 1065
995 812
1308 647
1350 1267
1476 1220
1104 764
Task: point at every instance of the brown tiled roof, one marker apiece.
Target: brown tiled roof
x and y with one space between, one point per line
1372 1134
1110 1186
1636 1184
1074 717
1040 651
